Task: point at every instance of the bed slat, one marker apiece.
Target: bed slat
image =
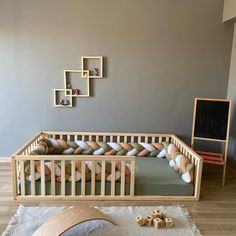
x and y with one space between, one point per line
113 166
73 177
22 177
132 178
63 172
103 178
118 139
93 178
42 173
53 187
32 174
83 178
122 185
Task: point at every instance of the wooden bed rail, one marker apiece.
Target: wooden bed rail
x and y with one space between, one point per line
109 137
124 160
23 154
195 159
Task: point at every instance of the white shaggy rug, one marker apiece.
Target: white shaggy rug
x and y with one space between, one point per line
28 219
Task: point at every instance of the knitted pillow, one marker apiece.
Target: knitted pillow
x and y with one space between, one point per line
179 163
59 146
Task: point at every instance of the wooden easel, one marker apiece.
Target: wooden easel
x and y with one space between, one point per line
209 157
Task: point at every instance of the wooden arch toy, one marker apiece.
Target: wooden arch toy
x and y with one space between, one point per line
62 222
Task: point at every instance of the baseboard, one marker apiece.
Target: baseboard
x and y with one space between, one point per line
5 159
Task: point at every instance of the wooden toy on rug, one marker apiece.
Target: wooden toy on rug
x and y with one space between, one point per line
149 220
153 214
158 223
169 222
140 220
159 214
157 219
60 223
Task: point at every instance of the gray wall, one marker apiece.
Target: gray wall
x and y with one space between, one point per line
160 54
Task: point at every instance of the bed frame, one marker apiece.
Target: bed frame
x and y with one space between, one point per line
23 154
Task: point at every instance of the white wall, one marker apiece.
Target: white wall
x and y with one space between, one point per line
232 95
229 10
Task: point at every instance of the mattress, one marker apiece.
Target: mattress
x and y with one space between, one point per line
153 177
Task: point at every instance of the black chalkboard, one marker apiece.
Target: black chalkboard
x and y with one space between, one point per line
211 119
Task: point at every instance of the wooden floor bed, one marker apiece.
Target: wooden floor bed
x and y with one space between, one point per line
19 158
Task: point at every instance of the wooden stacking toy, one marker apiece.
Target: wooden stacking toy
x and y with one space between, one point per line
158 223
169 222
149 220
157 218
159 214
140 220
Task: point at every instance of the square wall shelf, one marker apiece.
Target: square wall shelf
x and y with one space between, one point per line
62 96
74 81
93 64
77 81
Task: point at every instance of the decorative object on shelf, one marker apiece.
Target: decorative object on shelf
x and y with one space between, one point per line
62 102
62 97
77 92
91 67
68 85
94 64
95 71
67 103
211 121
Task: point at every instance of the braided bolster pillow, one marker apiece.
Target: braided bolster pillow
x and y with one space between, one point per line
59 146
141 149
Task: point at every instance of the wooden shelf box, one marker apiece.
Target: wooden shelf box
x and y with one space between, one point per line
68 79
91 62
66 96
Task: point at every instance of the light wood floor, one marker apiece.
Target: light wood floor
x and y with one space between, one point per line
214 214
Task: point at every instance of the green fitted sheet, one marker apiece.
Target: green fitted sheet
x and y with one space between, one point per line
78 188
153 177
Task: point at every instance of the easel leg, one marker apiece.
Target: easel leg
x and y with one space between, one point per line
224 173
225 162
